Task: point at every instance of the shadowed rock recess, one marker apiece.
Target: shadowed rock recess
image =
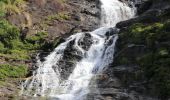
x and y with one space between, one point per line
31 29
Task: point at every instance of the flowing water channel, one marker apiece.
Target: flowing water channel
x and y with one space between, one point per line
94 52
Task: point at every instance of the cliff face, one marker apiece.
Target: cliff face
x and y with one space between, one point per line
32 25
58 17
141 67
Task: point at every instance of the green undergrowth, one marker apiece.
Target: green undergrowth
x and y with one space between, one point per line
59 16
155 59
14 49
62 1
11 45
10 6
12 71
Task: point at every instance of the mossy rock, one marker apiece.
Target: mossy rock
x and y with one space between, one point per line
154 60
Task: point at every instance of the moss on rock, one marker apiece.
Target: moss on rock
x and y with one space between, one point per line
154 60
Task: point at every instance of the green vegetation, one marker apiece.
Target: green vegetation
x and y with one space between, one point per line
11 45
62 1
15 47
155 60
59 16
10 6
12 71
37 38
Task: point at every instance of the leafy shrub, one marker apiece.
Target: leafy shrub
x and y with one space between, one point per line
16 44
10 6
38 38
7 32
2 47
2 9
60 16
13 47
19 54
10 71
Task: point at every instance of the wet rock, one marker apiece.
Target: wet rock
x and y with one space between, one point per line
149 11
86 41
127 70
143 7
111 32
68 61
106 81
24 33
145 19
92 13
72 54
109 98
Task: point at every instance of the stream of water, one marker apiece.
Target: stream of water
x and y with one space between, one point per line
46 80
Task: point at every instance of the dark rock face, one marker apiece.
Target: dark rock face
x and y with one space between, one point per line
125 79
88 12
117 83
86 41
144 52
85 16
68 61
149 12
72 55
141 8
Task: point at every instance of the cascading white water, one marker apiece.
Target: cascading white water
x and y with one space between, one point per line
46 80
114 11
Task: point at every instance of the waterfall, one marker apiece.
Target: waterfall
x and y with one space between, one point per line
66 72
114 11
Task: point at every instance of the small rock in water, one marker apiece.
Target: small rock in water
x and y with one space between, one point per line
108 98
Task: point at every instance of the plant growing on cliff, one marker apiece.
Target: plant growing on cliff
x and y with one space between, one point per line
155 60
10 6
11 45
59 16
7 33
12 71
